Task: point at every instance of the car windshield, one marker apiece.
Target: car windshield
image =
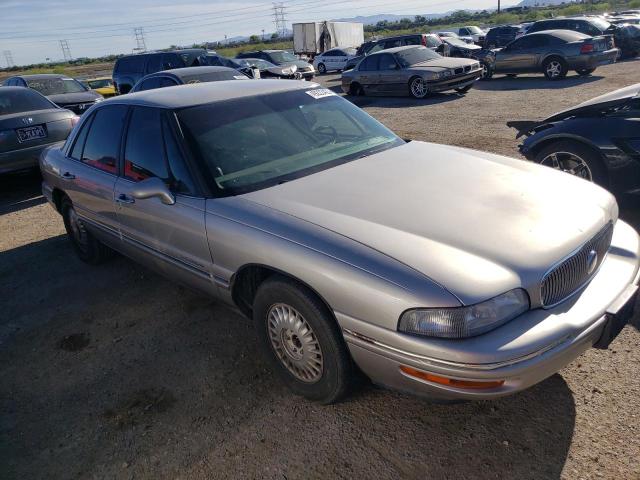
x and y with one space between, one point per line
283 56
257 62
474 30
106 82
414 56
448 34
23 100
600 24
55 86
250 143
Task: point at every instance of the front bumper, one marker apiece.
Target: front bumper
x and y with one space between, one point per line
454 82
522 352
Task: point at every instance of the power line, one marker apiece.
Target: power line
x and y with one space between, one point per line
9 58
66 53
141 45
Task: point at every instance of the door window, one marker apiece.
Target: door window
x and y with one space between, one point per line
339 53
76 151
154 64
370 63
149 84
132 64
171 60
387 62
103 138
151 151
167 82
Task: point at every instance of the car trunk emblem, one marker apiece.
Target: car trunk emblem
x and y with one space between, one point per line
27 121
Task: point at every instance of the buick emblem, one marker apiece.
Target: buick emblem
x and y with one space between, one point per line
592 261
27 121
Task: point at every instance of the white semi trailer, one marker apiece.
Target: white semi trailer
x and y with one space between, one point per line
312 38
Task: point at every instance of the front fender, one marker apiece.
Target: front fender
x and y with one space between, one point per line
352 279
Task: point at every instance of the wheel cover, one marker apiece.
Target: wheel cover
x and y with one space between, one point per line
570 163
554 68
78 229
418 88
484 71
295 343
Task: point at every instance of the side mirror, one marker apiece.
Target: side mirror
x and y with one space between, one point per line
153 187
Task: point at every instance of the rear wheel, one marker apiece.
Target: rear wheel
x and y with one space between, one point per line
574 158
554 68
88 248
418 87
583 72
302 341
322 68
356 90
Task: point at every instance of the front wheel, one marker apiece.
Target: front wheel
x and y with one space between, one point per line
486 72
576 159
302 340
554 68
356 90
322 68
583 72
88 248
418 88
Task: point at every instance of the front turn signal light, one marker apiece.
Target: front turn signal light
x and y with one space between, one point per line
451 382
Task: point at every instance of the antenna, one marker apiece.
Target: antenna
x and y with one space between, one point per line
279 18
9 58
141 46
66 53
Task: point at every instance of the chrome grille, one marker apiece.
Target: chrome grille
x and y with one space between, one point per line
574 272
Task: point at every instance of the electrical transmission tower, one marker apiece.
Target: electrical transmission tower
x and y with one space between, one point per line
66 53
9 58
141 46
279 18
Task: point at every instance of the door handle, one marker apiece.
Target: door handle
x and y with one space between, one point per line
122 198
67 176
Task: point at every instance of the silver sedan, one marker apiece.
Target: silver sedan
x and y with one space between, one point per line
413 70
440 271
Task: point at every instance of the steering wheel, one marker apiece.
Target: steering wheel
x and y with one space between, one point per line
327 131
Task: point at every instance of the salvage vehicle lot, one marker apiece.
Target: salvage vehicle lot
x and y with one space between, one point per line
112 371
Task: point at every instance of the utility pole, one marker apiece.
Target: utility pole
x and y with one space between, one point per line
141 45
498 6
280 19
66 53
263 34
9 58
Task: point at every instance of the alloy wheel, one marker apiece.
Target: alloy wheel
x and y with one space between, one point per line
419 88
554 69
570 163
295 343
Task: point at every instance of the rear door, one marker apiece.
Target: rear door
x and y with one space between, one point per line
90 173
368 73
170 238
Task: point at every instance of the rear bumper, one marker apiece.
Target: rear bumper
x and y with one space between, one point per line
547 340
594 60
24 158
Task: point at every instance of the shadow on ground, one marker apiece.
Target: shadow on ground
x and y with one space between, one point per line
529 82
19 191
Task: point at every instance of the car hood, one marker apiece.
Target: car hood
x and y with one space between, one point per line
298 63
69 98
444 62
476 223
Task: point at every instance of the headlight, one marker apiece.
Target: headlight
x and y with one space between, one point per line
99 99
462 322
446 73
293 68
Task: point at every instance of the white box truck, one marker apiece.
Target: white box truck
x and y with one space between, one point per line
316 37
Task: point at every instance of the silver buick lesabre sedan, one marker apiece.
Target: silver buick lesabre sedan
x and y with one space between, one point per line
436 270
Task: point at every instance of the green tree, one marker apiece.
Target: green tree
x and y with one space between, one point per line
254 39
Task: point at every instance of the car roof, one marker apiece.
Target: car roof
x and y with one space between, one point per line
97 78
42 76
192 95
568 35
190 71
397 49
7 89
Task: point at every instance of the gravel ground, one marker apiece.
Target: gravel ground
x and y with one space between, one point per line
114 372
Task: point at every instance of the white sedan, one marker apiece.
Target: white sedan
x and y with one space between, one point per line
334 59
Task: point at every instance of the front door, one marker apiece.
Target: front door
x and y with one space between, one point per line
170 238
391 78
515 57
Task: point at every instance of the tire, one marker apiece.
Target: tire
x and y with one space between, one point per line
287 346
87 247
554 68
356 90
322 68
416 90
464 90
583 72
596 171
487 71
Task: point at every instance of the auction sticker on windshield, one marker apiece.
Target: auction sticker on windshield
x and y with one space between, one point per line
320 93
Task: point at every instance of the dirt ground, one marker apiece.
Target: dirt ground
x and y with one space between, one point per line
114 372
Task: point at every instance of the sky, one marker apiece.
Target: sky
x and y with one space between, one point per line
32 29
